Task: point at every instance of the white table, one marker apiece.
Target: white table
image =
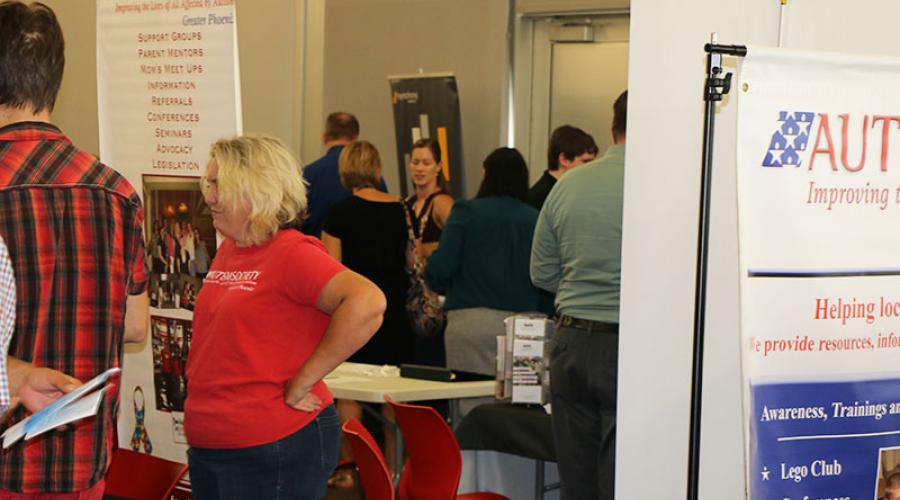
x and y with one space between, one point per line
370 383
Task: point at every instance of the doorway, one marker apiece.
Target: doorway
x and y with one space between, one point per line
568 70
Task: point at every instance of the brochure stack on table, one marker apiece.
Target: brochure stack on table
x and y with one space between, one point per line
525 373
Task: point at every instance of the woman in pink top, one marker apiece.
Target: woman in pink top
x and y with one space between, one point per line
275 315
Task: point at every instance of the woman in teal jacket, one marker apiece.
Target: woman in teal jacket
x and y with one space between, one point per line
481 263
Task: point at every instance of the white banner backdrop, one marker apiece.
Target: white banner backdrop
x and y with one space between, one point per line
819 211
168 87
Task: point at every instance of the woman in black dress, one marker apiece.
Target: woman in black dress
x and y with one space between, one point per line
367 233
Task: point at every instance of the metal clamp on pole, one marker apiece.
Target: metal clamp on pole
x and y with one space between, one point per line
716 86
728 50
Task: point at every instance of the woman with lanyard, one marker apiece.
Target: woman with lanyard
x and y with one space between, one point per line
429 207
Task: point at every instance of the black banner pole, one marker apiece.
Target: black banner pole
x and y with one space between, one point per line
716 86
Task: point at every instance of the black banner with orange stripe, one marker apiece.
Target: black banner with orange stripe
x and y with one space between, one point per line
427 106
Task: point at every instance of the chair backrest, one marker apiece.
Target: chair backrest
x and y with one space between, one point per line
373 471
142 477
434 463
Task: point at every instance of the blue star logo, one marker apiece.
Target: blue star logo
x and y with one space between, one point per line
789 139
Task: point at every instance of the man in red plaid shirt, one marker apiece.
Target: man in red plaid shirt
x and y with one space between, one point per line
73 229
22 382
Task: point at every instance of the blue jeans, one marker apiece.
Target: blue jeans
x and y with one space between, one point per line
296 467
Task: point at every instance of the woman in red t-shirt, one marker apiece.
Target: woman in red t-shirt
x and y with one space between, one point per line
275 315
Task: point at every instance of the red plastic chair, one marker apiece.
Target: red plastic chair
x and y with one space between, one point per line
138 476
434 463
373 471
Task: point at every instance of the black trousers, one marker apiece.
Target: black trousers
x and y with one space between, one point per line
583 371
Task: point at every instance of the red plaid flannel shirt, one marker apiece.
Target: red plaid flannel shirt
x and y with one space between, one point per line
74 231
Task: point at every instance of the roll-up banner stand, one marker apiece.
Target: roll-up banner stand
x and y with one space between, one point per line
427 106
168 87
818 210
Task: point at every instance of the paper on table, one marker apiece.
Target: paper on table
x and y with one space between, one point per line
344 379
349 368
73 406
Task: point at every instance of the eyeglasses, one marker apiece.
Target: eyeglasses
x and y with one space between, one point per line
207 184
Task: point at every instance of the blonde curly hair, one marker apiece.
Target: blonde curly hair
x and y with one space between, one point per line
261 171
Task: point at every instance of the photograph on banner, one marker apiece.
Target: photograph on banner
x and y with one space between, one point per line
178 435
427 107
888 487
818 201
181 240
171 342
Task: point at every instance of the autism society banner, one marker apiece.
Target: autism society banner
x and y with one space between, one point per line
819 225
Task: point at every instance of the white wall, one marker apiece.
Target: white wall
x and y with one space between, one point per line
76 105
368 40
269 52
660 228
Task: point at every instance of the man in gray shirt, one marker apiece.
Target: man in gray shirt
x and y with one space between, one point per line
576 255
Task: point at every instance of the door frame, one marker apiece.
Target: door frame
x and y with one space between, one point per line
532 74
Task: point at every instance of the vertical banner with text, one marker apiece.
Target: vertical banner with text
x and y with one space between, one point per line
168 87
819 211
427 107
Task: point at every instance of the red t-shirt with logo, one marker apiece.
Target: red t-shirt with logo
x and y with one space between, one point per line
255 324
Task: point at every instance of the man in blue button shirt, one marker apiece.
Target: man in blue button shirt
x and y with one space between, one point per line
324 188
576 254
322 176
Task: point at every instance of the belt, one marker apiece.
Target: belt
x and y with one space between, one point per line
589 325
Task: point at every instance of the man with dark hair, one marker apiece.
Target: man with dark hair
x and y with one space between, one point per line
73 227
575 254
341 126
569 147
324 183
